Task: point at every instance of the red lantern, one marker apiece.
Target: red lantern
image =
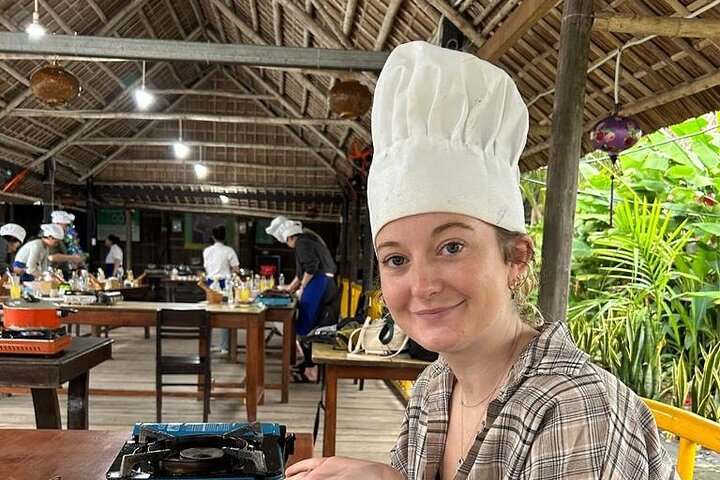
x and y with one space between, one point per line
54 86
350 99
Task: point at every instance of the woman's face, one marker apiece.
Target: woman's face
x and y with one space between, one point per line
444 279
108 243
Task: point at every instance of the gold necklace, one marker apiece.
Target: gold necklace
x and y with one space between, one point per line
463 405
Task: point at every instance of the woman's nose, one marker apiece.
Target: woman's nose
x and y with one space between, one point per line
426 281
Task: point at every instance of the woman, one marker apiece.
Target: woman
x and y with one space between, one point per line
508 398
33 257
14 236
313 284
114 258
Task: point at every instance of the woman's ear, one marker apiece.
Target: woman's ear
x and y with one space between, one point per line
523 253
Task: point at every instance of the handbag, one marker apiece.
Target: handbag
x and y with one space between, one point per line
379 337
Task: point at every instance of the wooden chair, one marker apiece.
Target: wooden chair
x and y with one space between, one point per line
183 325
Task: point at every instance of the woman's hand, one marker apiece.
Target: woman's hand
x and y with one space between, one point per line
341 468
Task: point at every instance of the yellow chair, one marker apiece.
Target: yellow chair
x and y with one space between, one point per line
692 429
356 291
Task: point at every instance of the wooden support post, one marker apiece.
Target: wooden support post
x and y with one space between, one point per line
562 182
48 194
128 239
90 216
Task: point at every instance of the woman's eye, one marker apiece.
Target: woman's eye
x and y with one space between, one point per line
395 261
452 248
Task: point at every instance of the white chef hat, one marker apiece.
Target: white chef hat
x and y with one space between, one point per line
62 217
448 129
52 230
281 228
14 230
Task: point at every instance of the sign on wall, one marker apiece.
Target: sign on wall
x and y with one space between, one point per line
198 230
112 221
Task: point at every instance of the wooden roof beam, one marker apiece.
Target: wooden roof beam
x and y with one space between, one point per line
514 27
661 26
349 18
166 142
174 116
211 93
222 163
387 24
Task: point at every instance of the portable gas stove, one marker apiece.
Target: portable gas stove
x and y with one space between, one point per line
204 451
31 326
34 342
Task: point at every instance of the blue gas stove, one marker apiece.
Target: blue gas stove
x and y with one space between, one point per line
204 451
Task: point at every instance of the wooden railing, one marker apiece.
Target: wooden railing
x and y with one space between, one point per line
692 429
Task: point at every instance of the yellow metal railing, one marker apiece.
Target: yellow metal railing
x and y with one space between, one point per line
692 429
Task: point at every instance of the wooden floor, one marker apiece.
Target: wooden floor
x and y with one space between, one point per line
368 420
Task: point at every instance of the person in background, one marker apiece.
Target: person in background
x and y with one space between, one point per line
313 284
220 261
62 258
14 236
114 258
511 395
33 257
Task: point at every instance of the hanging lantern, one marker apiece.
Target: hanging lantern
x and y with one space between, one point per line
350 99
613 135
54 86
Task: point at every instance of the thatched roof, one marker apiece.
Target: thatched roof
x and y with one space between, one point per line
302 169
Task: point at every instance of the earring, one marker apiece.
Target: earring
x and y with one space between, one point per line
514 289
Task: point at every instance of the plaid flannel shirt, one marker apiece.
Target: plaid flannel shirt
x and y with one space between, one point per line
558 416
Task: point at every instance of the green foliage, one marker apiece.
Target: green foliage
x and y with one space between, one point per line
645 294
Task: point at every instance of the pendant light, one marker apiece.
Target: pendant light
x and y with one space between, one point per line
201 170
143 98
35 28
180 149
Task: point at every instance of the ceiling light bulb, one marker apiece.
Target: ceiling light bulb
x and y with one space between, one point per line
224 198
201 171
35 29
143 98
180 149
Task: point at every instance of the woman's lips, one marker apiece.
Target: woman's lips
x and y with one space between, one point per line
438 311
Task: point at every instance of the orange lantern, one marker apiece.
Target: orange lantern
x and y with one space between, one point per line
54 86
350 99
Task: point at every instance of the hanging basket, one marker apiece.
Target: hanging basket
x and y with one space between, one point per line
54 86
350 99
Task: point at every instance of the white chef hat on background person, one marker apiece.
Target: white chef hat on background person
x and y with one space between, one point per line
448 129
62 217
13 230
52 230
281 228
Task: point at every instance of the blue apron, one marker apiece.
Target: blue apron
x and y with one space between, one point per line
221 282
108 269
310 302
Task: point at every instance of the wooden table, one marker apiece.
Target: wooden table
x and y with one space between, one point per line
143 314
46 374
338 365
286 316
77 455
